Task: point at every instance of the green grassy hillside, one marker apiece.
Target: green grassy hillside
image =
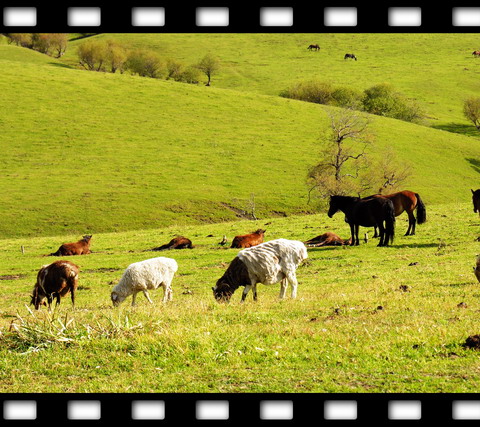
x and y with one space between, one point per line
436 69
85 151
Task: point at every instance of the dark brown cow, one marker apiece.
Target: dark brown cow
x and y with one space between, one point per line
476 200
55 281
82 247
248 240
327 239
179 242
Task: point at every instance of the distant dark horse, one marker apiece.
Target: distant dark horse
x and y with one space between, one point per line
313 47
366 213
406 201
476 53
476 200
350 55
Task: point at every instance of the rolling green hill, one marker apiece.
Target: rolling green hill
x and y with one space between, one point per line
94 152
436 69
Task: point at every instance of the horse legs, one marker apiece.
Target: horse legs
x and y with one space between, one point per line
352 232
411 224
375 234
383 236
357 228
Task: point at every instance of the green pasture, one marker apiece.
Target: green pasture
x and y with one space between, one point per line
86 152
438 70
136 161
366 319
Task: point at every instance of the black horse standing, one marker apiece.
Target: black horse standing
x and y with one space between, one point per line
366 213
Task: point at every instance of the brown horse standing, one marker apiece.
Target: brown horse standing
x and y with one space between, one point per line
314 47
406 201
476 200
476 53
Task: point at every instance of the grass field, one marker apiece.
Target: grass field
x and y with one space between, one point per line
87 152
436 69
366 319
136 161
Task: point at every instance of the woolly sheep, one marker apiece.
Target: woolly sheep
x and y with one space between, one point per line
144 275
268 263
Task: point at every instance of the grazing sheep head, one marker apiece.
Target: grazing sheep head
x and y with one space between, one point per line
116 299
222 291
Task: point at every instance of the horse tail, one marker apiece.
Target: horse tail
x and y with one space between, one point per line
421 210
390 221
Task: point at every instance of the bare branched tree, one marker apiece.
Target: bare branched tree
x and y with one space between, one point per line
344 156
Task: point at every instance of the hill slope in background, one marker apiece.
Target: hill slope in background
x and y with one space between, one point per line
436 69
93 152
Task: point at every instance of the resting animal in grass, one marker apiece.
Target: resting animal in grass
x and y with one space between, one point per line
144 275
268 263
248 240
82 247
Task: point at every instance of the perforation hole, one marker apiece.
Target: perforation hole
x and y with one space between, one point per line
20 16
84 16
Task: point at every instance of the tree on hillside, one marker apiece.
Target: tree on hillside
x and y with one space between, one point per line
347 165
388 173
58 43
145 63
471 110
116 56
343 158
20 39
92 55
208 65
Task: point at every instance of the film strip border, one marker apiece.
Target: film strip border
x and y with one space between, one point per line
254 409
217 16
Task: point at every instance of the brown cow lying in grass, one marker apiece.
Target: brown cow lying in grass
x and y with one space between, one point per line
179 242
327 239
55 281
82 247
248 240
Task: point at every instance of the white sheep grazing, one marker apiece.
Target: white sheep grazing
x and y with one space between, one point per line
144 275
268 263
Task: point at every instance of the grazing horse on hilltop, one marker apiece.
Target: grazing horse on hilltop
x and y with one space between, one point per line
366 213
406 201
350 55
313 47
476 200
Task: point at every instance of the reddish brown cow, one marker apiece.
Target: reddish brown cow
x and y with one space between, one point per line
179 242
248 240
82 247
327 239
55 281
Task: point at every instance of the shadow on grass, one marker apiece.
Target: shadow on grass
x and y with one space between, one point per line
416 245
460 128
57 64
475 163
